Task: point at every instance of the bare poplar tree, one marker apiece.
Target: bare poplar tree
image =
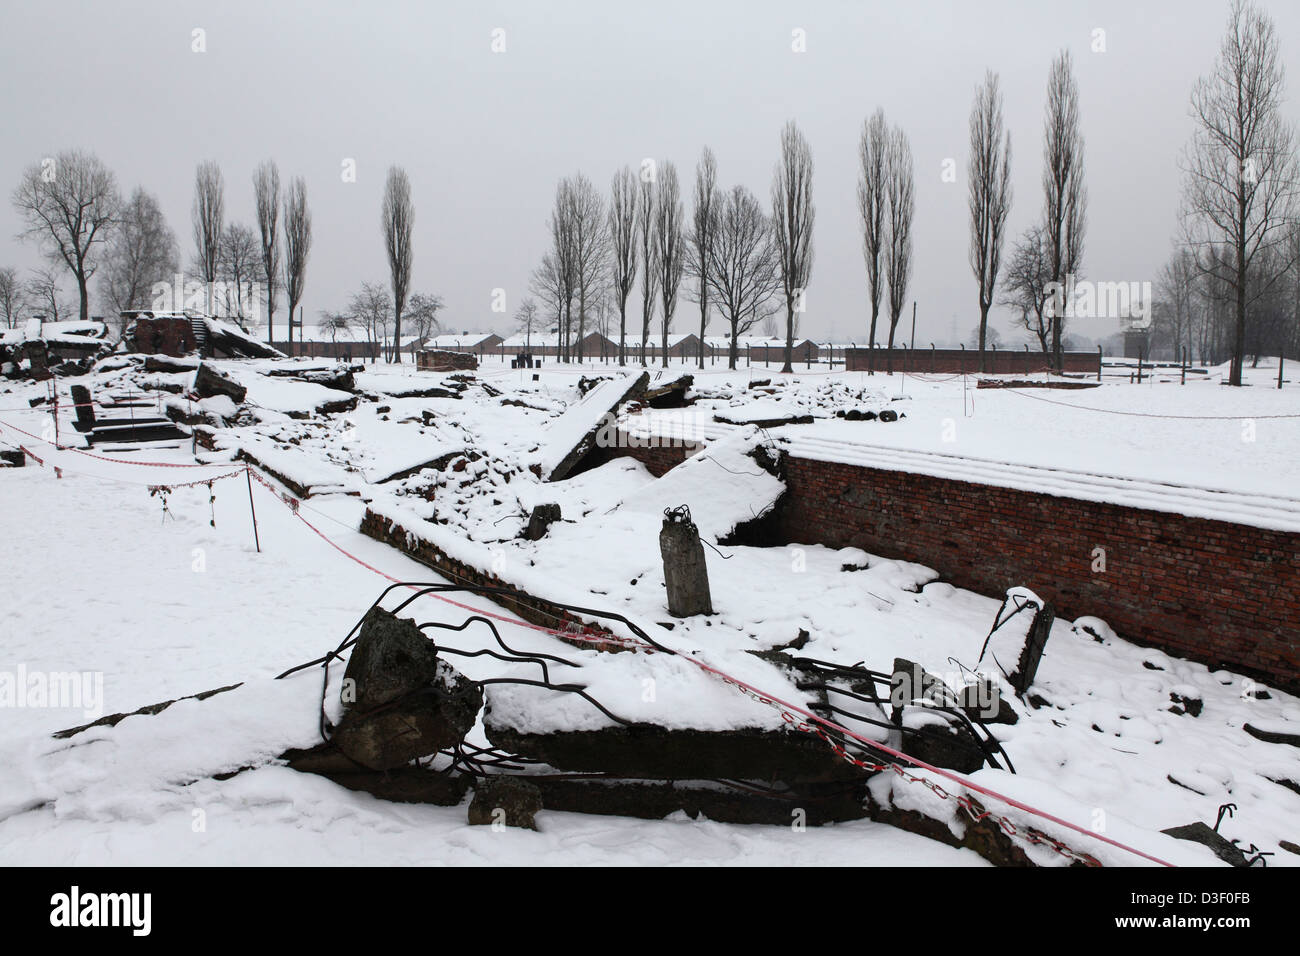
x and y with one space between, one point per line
873 149
69 204
989 175
142 251
1065 199
590 242
647 211
744 265
900 206
792 218
1240 172
397 220
622 245
564 263
297 245
266 191
208 216
670 246
701 238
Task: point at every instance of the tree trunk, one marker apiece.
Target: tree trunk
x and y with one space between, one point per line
789 336
622 329
984 328
85 297
704 312
1239 338
871 340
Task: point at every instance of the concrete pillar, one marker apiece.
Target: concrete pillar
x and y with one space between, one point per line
685 571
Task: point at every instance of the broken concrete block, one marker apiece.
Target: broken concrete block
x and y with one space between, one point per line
505 800
650 752
1015 645
402 701
84 410
208 382
540 520
685 571
670 394
1206 835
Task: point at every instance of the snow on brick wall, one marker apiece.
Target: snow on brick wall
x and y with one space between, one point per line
1212 591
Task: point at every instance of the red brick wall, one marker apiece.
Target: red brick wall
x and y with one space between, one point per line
956 361
1220 593
174 337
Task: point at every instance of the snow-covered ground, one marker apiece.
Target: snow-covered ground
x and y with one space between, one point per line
99 579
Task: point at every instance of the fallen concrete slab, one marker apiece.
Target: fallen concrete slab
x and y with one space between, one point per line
572 436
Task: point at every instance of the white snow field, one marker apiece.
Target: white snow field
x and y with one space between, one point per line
99 579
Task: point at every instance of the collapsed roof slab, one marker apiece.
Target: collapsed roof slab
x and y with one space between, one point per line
572 436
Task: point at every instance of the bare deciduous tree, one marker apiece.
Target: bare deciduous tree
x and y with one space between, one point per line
792 218
236 267
1178 287
900 206
208 216
13 297
398 218
526 320
69 204
266 191
622 245
372 309
297 245
873 149
1065 199
670 248
1026 288
141 252
422 315
44 293
1240 173
647 211
549 284
744 264
989 175
701 238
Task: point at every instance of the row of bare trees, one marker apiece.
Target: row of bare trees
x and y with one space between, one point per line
886 204
237 260
1050 251
738 259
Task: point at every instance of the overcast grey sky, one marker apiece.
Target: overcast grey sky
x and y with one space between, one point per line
591 86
